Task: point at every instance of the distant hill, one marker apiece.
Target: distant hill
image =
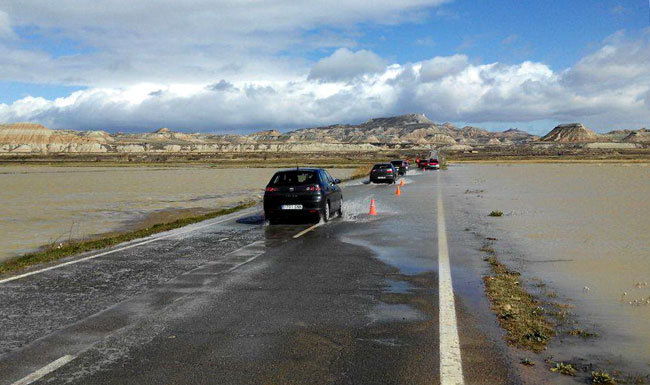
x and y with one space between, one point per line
571 133
411 131
640 136
406 129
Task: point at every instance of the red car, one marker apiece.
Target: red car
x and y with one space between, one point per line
429 164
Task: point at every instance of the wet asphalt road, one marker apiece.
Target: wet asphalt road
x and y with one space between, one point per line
353 301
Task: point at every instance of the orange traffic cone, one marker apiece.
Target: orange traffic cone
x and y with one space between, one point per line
401 183
373 210
398 192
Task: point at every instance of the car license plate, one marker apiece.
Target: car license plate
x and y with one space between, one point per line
381 177
291 207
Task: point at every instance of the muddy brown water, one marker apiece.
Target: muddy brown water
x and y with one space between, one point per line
41 205
583 229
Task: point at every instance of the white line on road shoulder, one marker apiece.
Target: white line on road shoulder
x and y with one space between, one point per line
47 369
172 234
451 367
305 231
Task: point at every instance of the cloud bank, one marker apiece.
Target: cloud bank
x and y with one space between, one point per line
108 42
232 66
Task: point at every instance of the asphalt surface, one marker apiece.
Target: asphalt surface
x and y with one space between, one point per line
233 301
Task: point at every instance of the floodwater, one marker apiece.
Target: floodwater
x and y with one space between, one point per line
584 229
42 205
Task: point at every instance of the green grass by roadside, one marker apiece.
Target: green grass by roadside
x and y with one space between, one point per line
360 172
518 312
65 249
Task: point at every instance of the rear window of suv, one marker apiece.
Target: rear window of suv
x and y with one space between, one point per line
294 178
381 166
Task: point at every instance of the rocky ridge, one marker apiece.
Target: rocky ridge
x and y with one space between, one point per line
413 131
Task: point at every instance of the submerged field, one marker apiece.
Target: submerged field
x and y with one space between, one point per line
579 234
44 205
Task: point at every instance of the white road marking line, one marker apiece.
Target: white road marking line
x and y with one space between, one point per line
173 234
47 369
451 367
305 231
224 239
237 266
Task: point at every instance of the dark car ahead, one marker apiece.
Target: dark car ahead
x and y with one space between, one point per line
401 166
383 173
302 192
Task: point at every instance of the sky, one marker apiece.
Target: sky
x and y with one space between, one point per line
238 66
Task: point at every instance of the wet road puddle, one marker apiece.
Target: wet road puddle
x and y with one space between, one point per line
384 312
409 262
397 287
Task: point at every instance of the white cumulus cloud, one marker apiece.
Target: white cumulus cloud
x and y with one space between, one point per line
5 25
607 89
345 65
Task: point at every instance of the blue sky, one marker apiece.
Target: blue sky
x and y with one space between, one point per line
554 32
145 61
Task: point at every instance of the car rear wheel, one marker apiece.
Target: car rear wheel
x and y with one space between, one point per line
340 210
325 215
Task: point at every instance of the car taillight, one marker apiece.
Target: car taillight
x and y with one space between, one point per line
313 188
374 170
271 189
389 171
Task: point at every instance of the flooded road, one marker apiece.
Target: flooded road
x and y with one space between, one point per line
584 230
234 301
43 205
362 289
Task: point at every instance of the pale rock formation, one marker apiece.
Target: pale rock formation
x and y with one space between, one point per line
23 148
610 145
457 147
640 136
130 148
172 148
441 139
570 133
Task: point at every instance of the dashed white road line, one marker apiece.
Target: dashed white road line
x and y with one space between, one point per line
451 368
47 369
305 231
154 239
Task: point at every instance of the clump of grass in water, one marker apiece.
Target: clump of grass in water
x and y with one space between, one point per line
519 313
582 333
602 377
487 248
526 361
66 249
496 213
562 368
